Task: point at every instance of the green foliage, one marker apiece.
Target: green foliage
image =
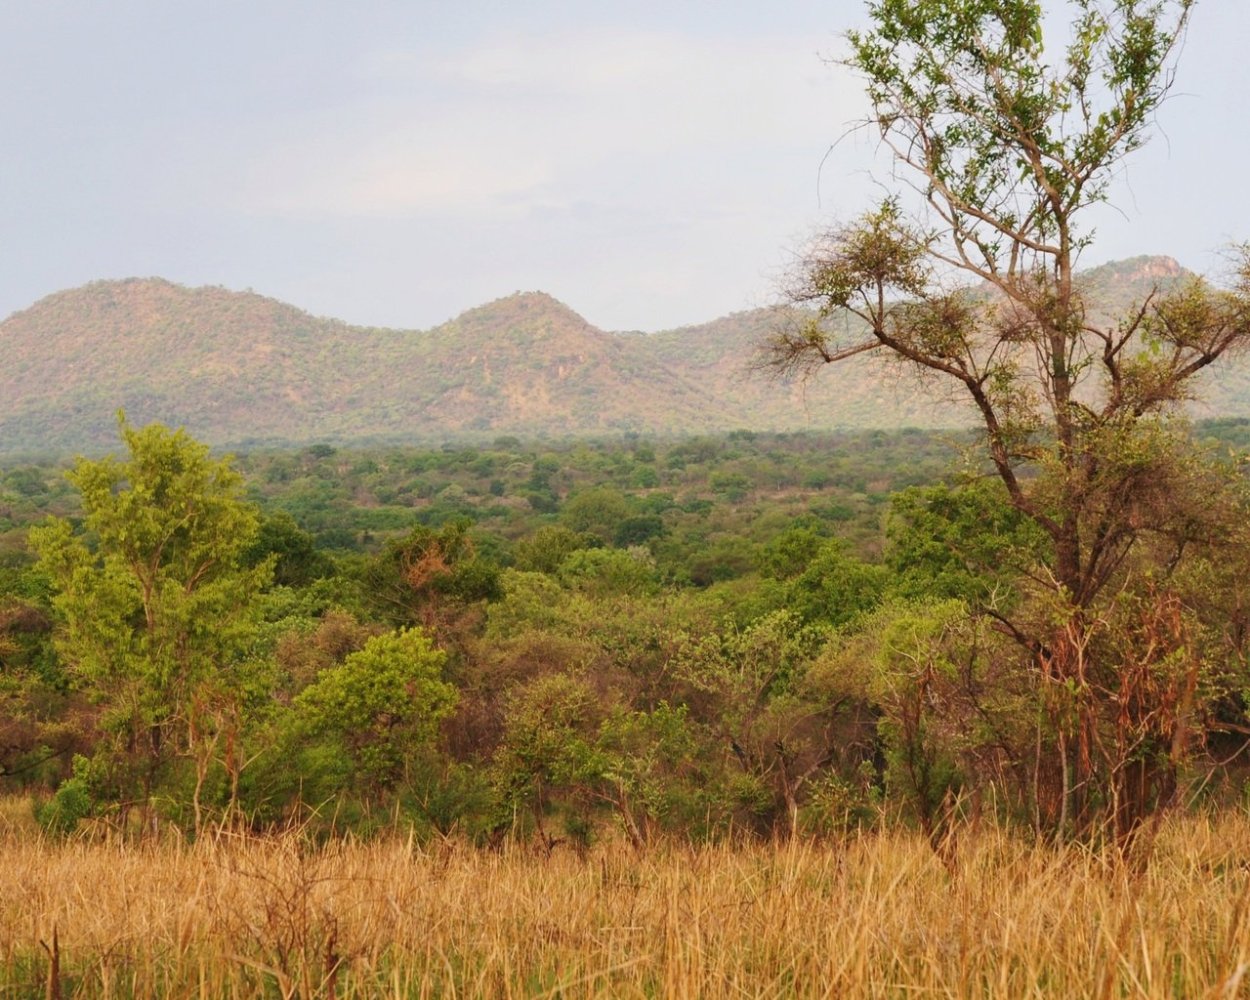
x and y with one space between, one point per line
748 665
833 587
905 662
790 553
966 542
528 599
545 550
156 605
1007 120
548 755
839 804
447 796
638 530
610 571
655 770
1008 141
599 511
71 804
382 706
416 576
296 560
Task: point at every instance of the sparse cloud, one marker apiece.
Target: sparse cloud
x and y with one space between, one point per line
394 163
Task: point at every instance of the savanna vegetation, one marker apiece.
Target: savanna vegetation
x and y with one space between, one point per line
495 641
770 714
755 635
624 717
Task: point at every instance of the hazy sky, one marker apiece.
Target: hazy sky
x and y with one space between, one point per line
393 163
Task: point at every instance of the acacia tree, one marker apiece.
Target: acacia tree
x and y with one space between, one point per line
156 606
1007 142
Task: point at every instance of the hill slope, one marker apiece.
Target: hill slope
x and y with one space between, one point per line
235 367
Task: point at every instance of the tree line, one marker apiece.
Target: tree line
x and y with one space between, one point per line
176 654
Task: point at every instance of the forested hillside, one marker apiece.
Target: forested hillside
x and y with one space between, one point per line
237 368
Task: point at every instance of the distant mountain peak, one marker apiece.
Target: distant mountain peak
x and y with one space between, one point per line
1137 269
535 300
154 294
521 309
1161 267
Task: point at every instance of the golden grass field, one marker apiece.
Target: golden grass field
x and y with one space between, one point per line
874 916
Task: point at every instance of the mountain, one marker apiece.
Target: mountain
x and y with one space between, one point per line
239 368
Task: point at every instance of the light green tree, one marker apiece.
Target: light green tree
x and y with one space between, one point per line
597 511
381 707
156 608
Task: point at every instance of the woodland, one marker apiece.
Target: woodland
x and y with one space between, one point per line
625 717
738 636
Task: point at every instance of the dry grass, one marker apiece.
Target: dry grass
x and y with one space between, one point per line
874 917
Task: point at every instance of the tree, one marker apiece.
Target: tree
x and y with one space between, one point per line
963 541
598 511
822 582
156 606
297 561
752 684
1007 143
426 576
381 707
549 751
547 547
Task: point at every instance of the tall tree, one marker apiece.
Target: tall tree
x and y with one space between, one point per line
1006 142
156 605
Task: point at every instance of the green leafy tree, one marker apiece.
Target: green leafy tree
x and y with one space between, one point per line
911 664
1007 142
822 581
41 722
610 571
598 511
381 708
657 771
297 559
549 757
751 685
964 542
156 606
546 548
638 530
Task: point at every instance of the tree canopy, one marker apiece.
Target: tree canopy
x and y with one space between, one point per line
156 602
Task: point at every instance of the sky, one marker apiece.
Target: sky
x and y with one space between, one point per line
388 163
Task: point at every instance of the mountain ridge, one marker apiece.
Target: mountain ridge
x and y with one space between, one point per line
238 367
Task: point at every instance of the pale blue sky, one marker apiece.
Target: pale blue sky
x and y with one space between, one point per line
393 163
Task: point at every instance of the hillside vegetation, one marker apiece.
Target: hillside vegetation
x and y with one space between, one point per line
237 368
